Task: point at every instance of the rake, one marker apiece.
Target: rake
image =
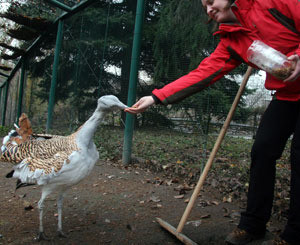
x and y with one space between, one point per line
177 232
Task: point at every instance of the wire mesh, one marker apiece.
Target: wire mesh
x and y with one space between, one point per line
95 60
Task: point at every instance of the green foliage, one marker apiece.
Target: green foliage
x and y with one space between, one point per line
176 38
41 9
182 154
4 131
153 118
168 146
183 39
109 141
95 39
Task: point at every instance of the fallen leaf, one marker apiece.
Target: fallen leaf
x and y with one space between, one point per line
154 199
169 182
227 199
195 223
27 205
206 216
235 215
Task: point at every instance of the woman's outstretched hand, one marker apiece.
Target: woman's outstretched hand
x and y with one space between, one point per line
296 73
141 105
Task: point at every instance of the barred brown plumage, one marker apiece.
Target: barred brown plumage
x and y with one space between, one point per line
56 162
48 154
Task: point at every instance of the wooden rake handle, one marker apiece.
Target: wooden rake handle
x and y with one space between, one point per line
214 151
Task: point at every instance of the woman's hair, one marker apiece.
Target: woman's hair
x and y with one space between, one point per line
230 2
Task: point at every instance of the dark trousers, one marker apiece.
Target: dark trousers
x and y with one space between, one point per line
279 122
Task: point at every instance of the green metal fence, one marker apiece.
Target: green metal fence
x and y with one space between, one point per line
85 49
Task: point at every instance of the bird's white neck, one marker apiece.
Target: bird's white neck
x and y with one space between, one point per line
86 132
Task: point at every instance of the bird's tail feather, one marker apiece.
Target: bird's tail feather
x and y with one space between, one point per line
10 174
20 184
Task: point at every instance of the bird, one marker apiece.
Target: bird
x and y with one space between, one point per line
56 163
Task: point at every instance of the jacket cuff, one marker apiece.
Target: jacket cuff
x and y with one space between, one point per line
156 100
298 51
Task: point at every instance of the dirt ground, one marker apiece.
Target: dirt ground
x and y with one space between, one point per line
116 205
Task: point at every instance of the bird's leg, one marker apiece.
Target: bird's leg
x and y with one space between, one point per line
41 206
59 210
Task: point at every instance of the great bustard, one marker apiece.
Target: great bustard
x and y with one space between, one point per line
58 163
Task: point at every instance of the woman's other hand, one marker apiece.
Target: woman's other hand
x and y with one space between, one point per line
296 73
141 105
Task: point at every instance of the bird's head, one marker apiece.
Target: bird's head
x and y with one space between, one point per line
110 103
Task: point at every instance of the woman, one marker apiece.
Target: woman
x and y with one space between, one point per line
276 23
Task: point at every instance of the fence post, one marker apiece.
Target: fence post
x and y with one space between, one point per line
5 103
21 86
59 38
1 90
136 50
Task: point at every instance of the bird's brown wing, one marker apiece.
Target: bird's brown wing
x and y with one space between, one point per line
41 154
49 164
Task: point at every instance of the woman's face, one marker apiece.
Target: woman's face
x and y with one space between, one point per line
219 10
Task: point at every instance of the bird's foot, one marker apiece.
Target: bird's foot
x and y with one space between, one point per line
42 237
61 234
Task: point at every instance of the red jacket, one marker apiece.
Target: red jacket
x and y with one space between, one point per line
275 22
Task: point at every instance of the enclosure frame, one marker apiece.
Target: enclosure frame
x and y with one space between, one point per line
21 64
